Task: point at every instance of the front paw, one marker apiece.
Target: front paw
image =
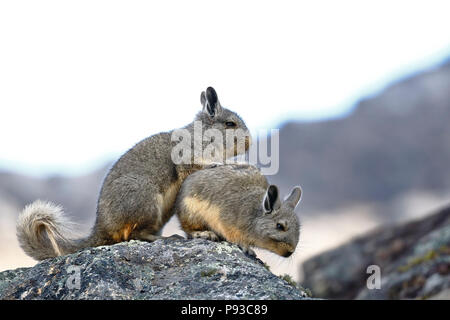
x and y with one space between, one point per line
208 235
248 251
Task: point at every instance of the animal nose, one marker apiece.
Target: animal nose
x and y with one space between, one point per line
287 254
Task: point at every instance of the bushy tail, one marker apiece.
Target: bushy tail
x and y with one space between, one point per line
43 231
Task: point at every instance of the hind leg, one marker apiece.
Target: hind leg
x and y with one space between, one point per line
130 209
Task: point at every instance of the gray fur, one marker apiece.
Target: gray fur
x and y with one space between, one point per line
134 191
239 192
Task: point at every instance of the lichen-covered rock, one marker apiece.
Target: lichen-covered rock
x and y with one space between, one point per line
423 273
414 262
164 269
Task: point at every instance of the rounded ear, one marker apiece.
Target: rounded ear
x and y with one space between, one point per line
294 198
212 104
271 199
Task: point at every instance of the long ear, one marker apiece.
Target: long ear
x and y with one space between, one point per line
294 198
212 105
271 199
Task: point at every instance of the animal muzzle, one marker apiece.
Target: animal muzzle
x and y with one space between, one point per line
285 249
287 253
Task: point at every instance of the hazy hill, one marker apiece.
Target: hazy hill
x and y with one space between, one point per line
395 142
78 195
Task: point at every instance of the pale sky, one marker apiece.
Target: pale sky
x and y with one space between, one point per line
82 81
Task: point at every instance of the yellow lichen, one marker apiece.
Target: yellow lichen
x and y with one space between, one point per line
428 256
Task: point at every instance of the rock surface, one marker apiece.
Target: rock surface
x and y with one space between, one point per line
414 260
164 269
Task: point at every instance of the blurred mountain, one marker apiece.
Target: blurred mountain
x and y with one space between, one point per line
393 143
78 195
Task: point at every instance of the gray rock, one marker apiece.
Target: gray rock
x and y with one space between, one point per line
422 273
414 260
164 269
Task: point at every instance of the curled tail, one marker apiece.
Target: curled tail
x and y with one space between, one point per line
44 232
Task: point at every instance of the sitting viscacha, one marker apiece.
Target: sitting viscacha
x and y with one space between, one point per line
234 202
137 195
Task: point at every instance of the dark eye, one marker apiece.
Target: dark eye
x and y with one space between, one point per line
230 124
280 227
